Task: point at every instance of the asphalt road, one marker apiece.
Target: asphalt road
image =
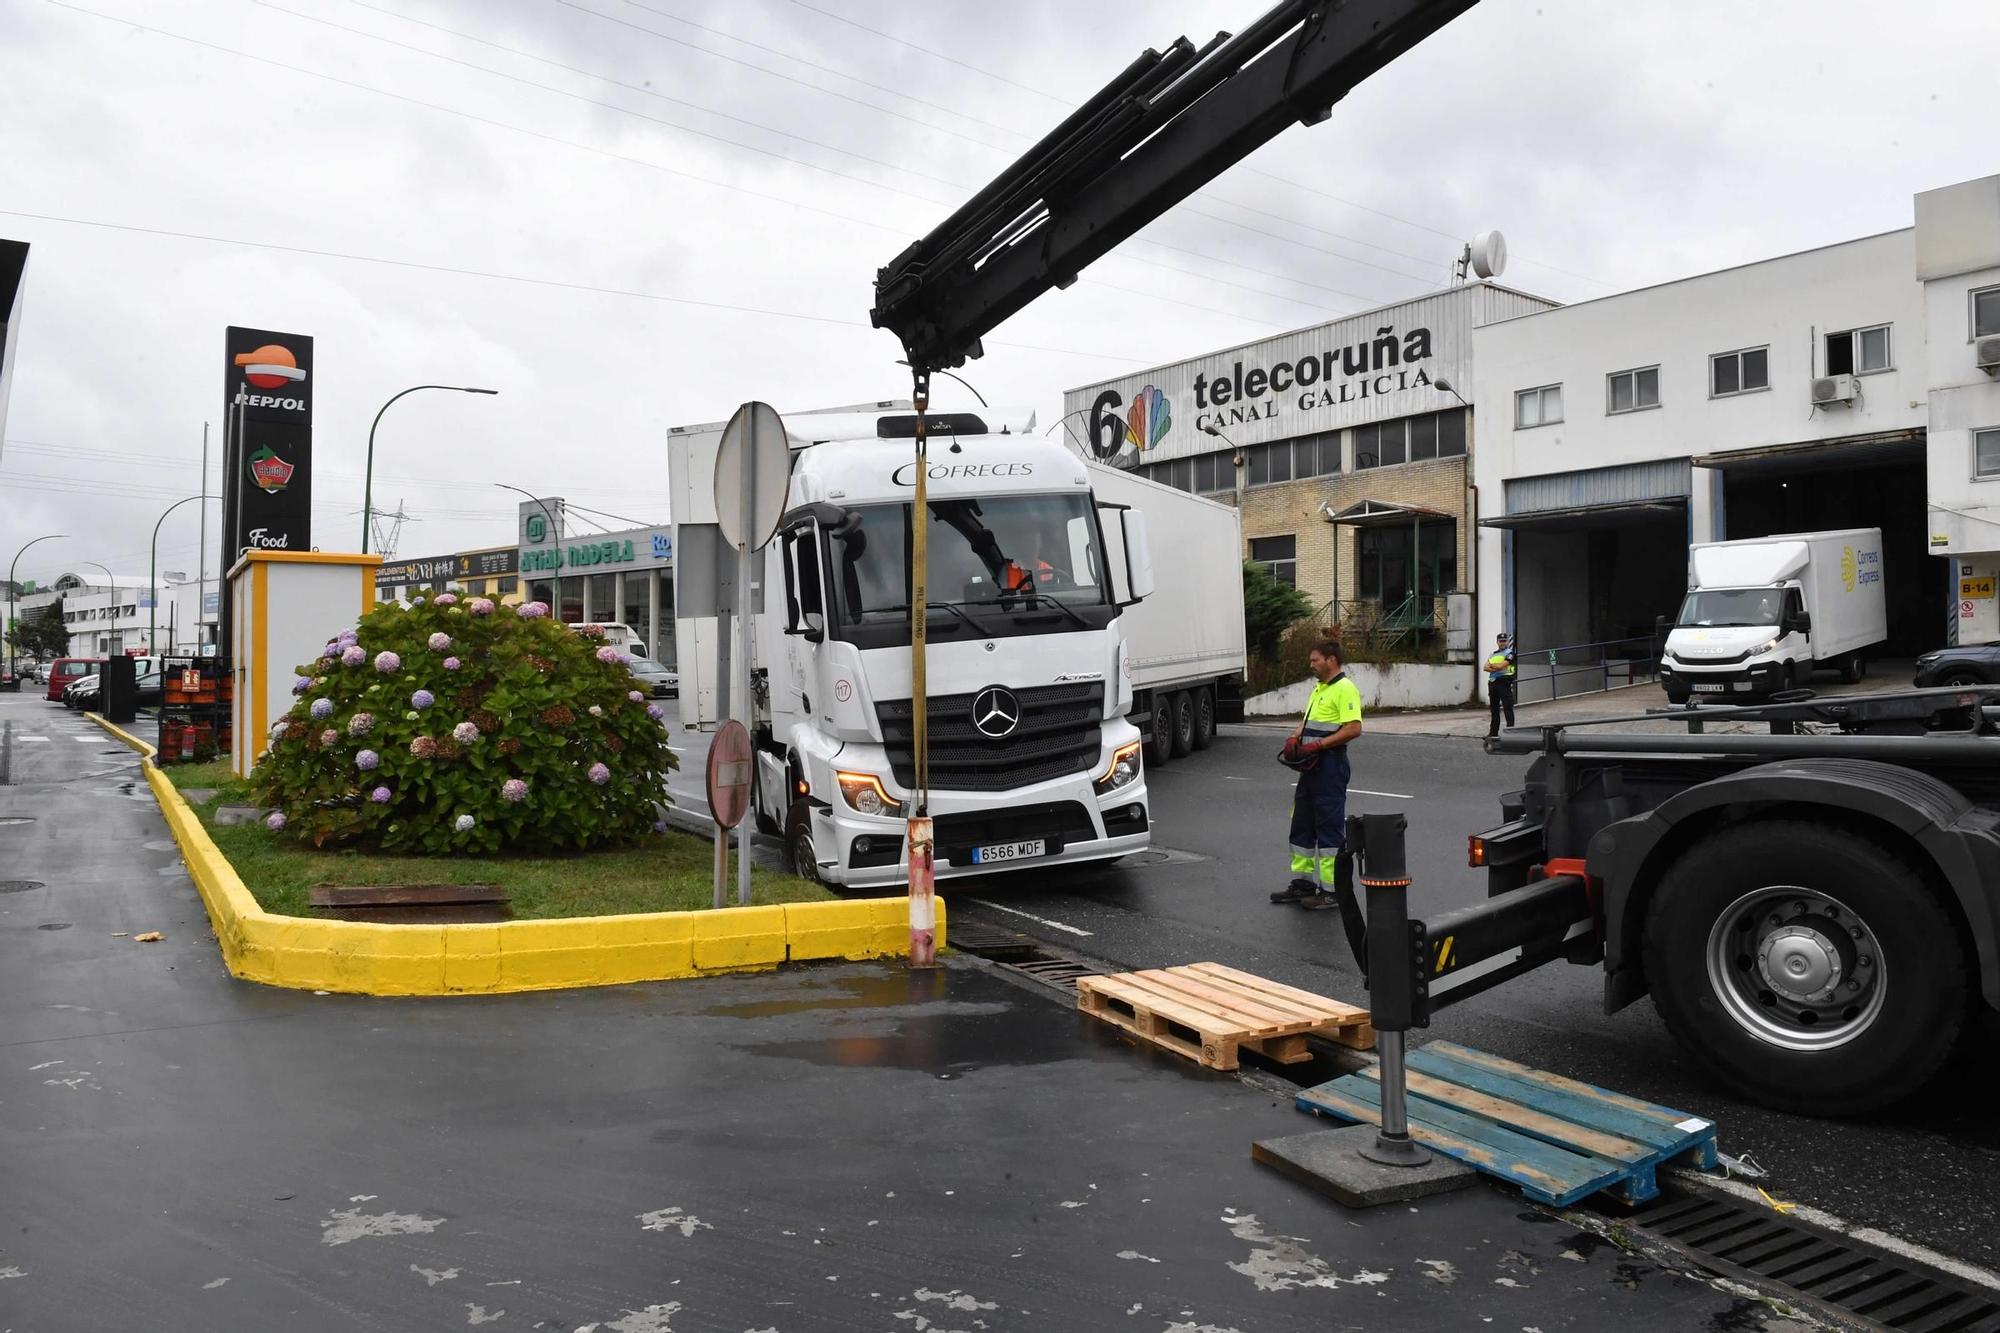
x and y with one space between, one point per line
1928 1171
840 1147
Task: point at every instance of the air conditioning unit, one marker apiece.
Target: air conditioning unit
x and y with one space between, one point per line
1986 355
1830 389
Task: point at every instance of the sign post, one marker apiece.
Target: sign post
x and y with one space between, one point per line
729 761
753 476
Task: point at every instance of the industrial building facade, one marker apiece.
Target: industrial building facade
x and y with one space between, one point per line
1344 445
1836 388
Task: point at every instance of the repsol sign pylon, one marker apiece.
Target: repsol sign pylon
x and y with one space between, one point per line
267 453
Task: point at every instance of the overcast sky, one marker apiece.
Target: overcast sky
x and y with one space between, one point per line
539 196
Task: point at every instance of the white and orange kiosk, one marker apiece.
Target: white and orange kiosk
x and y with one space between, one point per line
286 604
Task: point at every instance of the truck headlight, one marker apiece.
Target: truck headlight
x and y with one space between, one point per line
1122 770
1768 646
864 792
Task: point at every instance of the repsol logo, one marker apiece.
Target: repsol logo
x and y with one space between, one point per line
270 400
262 539
906 475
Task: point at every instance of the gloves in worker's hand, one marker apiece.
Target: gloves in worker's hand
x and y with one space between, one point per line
1296 754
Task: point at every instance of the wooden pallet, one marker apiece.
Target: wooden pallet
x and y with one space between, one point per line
1209 1013
1556 1138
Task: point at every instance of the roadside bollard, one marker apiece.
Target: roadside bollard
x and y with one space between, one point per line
1391 982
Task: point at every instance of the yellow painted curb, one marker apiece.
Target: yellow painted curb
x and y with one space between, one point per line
361 957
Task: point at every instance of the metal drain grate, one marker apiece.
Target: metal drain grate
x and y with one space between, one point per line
1826 1270
1059 971
990 941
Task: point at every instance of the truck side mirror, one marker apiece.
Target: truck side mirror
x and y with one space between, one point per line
815 628
1799 623
1138 554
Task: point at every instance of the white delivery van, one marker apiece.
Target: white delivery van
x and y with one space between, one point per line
1763 613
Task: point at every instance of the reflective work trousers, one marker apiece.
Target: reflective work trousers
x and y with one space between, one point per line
1319 819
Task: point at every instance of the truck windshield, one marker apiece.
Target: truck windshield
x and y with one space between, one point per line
1005 551
1712 608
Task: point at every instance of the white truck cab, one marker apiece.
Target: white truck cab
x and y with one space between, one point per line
1032 760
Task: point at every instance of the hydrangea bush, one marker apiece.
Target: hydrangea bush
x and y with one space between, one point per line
527 736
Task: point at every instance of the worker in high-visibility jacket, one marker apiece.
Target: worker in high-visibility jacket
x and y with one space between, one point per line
1318 749
1500 682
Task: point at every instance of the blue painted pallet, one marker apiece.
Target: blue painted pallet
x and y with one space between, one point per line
1556 1138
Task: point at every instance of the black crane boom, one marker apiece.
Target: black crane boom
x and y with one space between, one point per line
1169 123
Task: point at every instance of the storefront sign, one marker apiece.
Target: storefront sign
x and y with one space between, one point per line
645 548
1367 368
487 564
406 573
590 553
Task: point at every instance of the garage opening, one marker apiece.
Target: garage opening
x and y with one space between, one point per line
1873 482
1589 584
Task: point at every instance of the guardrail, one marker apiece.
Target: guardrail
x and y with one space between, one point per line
1373 628
1585 668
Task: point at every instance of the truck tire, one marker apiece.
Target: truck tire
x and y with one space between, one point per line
1204 717
1679 694
1810 967
1160 744
1851 669
799 841
1183 706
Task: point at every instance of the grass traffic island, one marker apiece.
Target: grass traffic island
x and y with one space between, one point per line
670 872
792 922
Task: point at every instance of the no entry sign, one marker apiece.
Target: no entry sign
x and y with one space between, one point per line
729 763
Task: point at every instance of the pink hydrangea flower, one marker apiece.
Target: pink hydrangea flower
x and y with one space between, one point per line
275 820
464 823
361 724
480 606
353 655
451 664
329 737
636 697
439 641
607 654
591 631
367 761
388 663
513 789
599 774
446 599
532 610
423 747
380 796
465 733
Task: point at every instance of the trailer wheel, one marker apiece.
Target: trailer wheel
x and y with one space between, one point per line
1204 717
1811 968
799 841
1160 745
1184 725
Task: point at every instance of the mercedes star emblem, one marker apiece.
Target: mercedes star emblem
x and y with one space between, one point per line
995 712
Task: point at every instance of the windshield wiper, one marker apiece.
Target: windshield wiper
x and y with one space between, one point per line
1036 601
953 607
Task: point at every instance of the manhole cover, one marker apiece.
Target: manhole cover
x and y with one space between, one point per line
53 925
8 821
20 885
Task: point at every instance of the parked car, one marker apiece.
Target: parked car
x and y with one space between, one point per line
1966 664
66 671
81 693
9 680
662 682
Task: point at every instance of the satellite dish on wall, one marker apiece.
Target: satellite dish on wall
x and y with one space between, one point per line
1489 254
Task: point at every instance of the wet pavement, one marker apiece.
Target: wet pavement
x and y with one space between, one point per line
839 1147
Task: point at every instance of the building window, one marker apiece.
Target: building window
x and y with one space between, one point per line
509 584
1986 453
1739 372
1986 313
1538 407
1859 351
1398 564
1279 556
1381 444
1633 390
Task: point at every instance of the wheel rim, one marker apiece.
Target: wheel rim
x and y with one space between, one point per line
1960 679
1204 714
803 858
1796 968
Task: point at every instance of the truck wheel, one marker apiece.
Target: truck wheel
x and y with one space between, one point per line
1160 745
1183 706
1809 967
1204 717
799 841
1850 668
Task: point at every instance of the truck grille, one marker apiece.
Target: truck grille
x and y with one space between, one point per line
1057 735
1061 823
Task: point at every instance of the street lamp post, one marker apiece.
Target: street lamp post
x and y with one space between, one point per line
368 476
111 581
153 579
553 525
12 653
